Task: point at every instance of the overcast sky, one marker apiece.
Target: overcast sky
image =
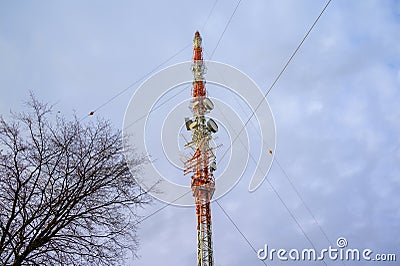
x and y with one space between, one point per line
336 109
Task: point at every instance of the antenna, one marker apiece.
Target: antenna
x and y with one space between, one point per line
202 162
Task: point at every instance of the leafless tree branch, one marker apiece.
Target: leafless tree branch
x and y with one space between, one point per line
67 193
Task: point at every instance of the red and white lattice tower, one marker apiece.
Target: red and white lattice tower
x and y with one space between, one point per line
202 162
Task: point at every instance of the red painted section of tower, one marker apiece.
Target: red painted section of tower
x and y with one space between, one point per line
198 86
202 180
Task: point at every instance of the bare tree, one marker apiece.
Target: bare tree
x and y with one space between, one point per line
67 195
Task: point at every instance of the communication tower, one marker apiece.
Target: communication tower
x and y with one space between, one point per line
202 162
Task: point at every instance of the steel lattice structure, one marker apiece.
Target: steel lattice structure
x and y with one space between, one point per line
202 162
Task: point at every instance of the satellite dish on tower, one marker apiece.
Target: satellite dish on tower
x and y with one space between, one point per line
212 126
195 104
190 124
208 104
